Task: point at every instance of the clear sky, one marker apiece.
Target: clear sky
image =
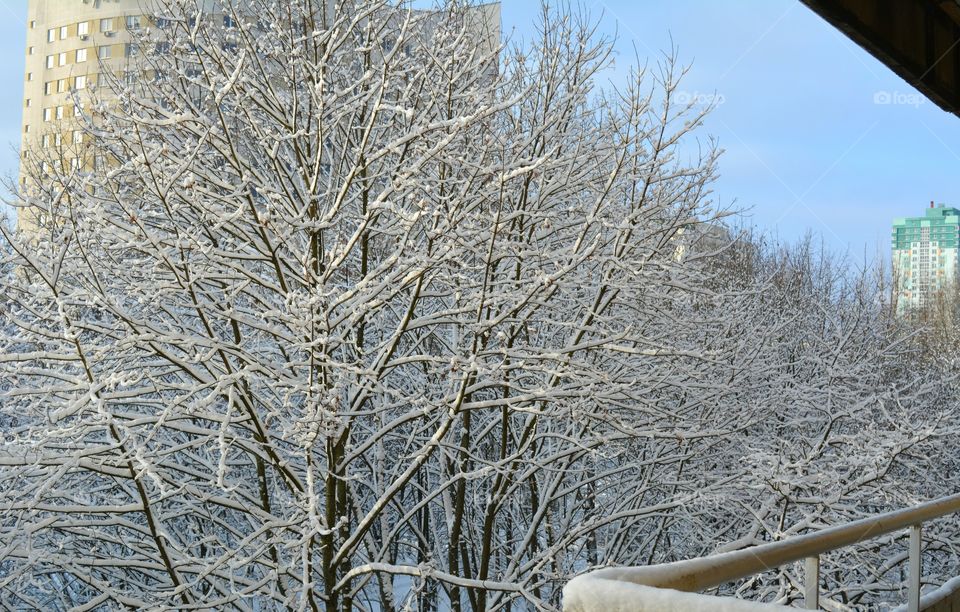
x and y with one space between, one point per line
808 146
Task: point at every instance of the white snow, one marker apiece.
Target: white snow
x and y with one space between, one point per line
591 594
932 598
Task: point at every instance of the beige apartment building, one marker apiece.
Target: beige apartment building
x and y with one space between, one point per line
70 43
71 46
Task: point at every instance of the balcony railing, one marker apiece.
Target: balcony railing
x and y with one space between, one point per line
673 586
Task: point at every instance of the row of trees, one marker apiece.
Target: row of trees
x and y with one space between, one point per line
349 308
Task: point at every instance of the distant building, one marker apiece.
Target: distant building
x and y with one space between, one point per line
71 46
75 45
924 256
702 239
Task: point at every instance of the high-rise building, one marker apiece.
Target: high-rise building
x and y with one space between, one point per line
73 45
925 253
69 45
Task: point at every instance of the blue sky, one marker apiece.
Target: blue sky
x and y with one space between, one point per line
807 145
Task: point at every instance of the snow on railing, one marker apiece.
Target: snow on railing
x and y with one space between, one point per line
672 586
945 592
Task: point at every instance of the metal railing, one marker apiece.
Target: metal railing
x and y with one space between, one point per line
598 590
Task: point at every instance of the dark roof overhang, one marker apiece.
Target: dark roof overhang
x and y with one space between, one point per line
917 39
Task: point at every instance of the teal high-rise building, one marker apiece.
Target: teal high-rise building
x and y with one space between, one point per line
925 253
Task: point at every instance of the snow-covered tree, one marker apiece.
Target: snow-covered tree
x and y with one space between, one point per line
857 421
351 307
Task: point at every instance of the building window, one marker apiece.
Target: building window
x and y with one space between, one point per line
133 22
51 35
130 50
83 28
80 82
48 88
47 114
26 129
59 112
63 33
103 52
57 139
228 21
81 55
29 76
30 50
27 103
78 109
106 25
50 60
45 141
61 85
33 24
62 59
77 137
